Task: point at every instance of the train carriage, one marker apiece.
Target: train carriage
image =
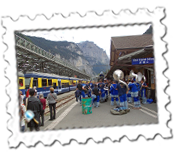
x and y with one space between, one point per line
43 81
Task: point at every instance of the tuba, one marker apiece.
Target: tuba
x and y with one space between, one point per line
118 75
138 76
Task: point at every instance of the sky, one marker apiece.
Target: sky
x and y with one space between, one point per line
100 36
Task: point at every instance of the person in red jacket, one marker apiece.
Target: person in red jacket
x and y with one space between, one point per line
43 102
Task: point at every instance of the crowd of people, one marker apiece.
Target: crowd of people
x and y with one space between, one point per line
134 92
37 105
100 91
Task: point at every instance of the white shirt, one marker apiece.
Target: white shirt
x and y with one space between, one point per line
23 117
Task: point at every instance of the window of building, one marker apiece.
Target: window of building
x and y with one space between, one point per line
44 82
50 82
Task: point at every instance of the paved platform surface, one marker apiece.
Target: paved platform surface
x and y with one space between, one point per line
70 116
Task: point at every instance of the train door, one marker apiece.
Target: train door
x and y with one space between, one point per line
44 87
59 86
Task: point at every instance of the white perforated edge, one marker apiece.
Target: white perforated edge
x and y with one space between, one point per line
124 17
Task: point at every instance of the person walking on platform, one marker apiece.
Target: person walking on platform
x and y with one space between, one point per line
52 97
95 96
143 92
102 91
114 93
43 102
78 91
135 94
34 105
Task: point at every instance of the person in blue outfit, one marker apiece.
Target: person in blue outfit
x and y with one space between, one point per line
134 87
102 91
138 84
143 92
114 93
87 90
129 98
91 85
95 96
84 90
122 91
106 91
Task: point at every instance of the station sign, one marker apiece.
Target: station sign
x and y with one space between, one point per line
142 61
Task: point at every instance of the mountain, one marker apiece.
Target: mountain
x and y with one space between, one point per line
149 30
95 55
86 56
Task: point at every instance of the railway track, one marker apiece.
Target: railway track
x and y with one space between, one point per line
61 102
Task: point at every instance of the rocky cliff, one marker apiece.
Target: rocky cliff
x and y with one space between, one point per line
86 56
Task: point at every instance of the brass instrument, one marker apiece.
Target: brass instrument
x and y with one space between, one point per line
119 75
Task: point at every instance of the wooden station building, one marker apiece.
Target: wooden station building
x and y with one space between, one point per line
133 53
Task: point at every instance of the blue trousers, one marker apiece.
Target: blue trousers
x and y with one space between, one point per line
82 94
95 100
129 98
143 95
123 102
22 128
102 96
114 97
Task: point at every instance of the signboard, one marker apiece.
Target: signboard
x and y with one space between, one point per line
142 61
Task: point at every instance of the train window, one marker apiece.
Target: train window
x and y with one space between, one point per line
44 82
35 82
27 82
59 84
65 85
20 82
50 82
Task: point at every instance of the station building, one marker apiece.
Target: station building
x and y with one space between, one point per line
133 53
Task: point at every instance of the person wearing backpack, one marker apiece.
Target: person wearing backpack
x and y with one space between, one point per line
36 107
51 98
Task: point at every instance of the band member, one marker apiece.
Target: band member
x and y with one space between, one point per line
114 93
91 85
95 96
106 89
102 91
138 84
129 98
84 91
122 91
88 89
134 87
143 92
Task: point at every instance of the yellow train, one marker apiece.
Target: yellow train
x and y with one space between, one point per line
43 81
